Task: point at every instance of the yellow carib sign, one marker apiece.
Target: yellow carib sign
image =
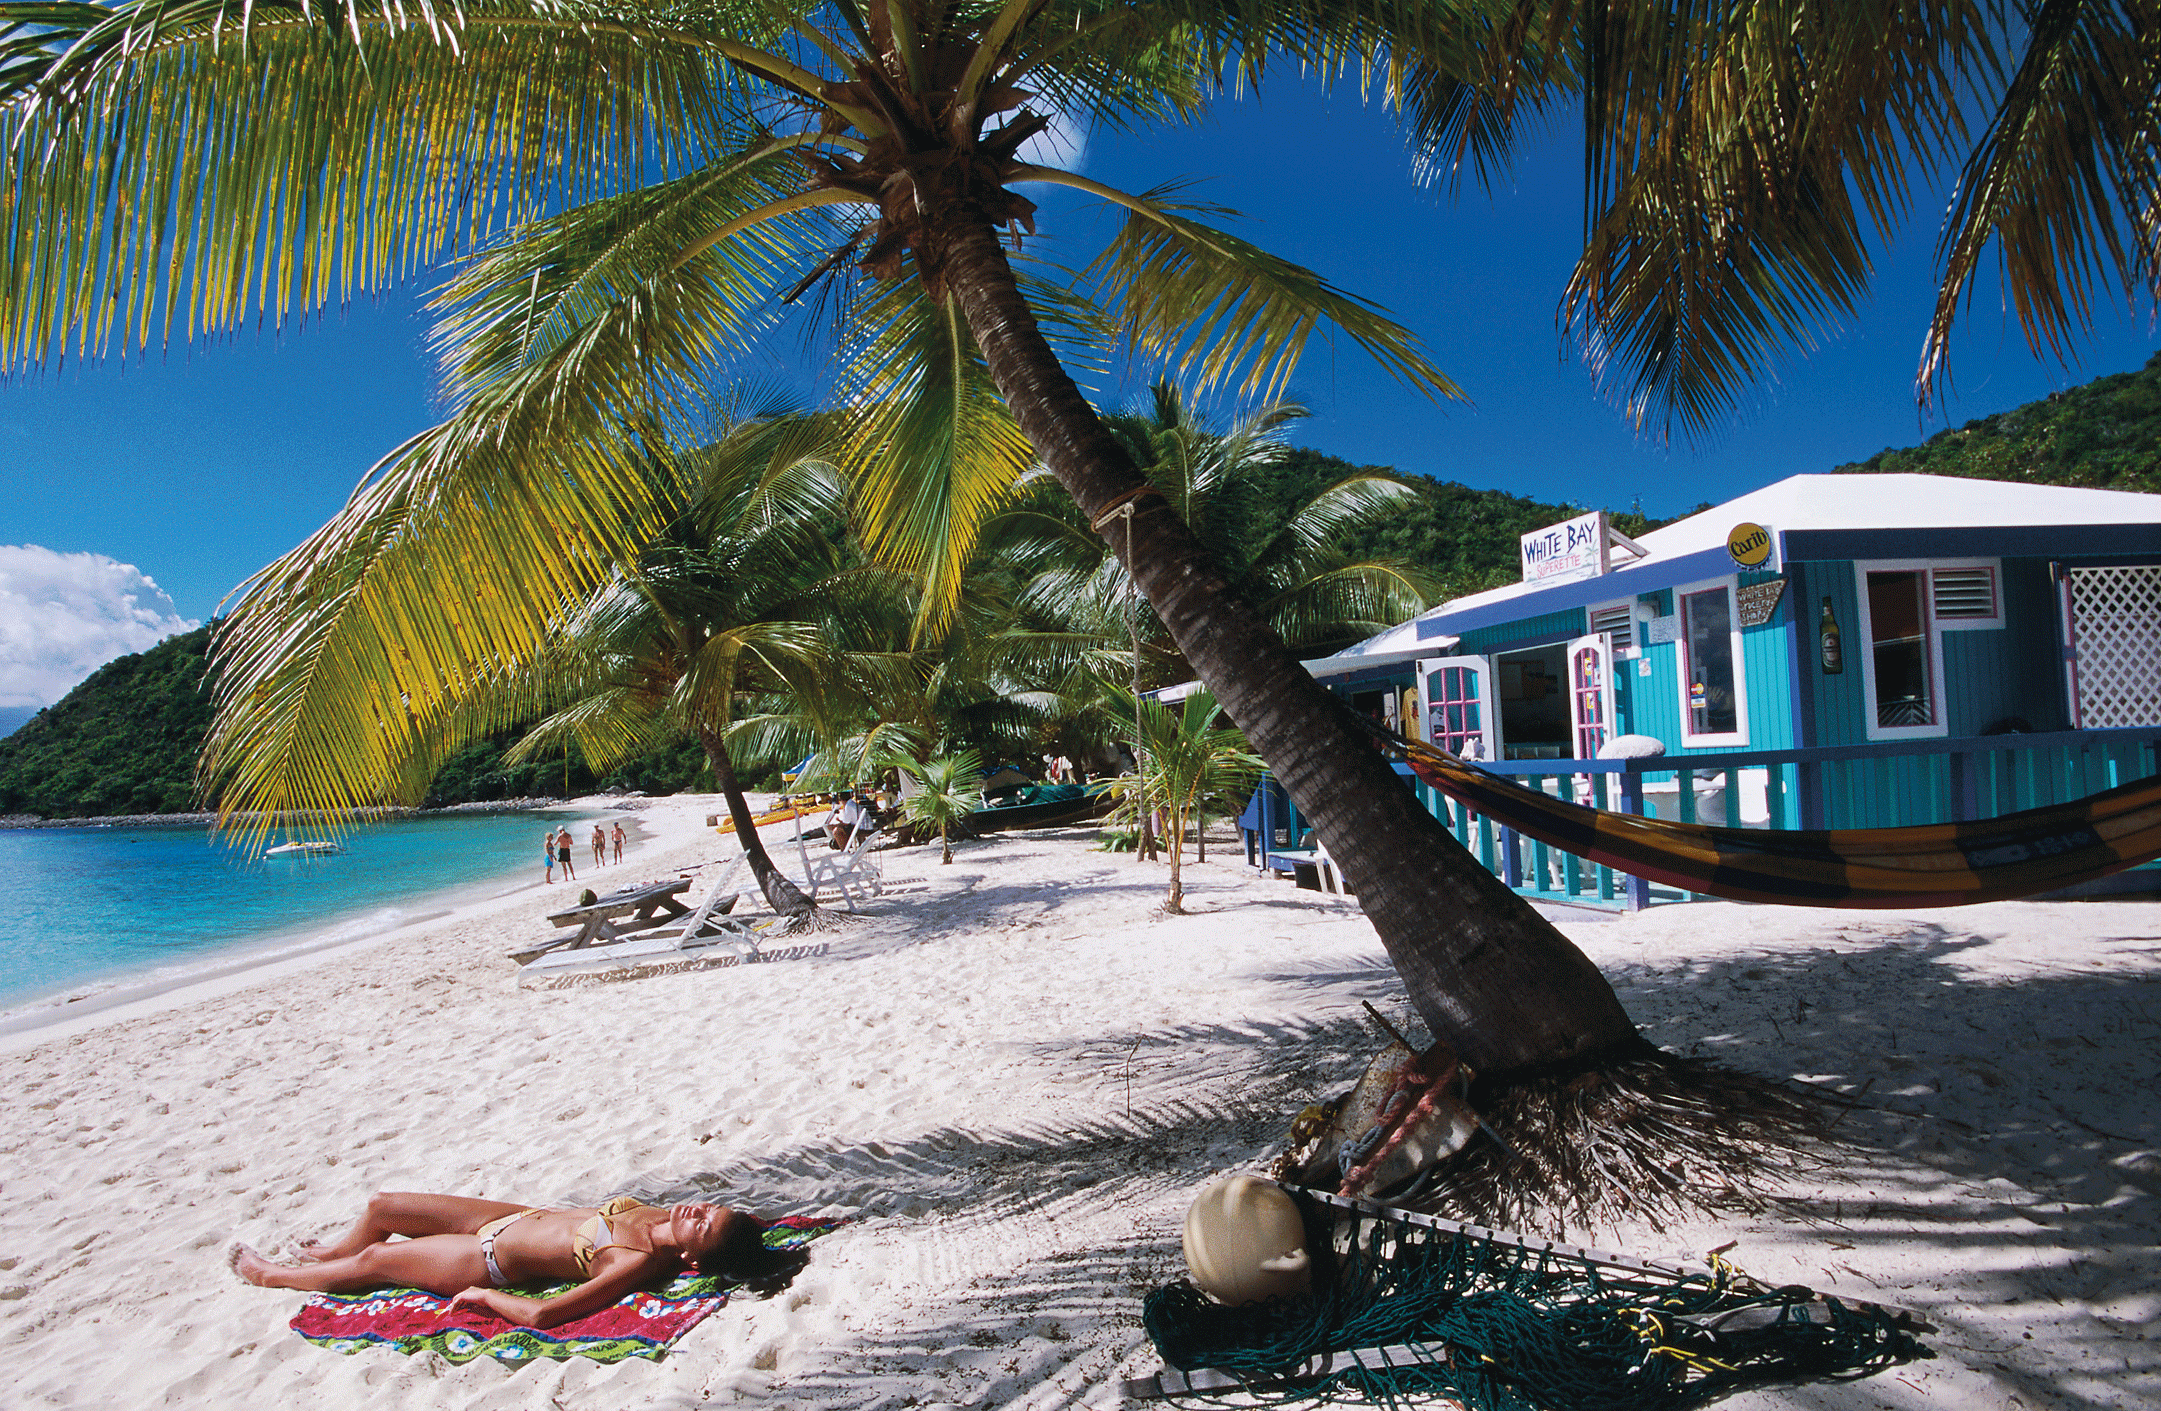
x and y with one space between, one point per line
1750 545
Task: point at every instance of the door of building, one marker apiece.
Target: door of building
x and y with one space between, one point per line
1590 693
2115 621
1455 699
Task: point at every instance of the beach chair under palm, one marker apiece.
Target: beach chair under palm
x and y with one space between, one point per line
855 870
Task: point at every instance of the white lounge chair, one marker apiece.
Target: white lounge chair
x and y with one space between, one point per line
1331 876
854 870
707 934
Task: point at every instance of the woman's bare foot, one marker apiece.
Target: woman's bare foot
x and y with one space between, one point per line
312 1252
251 1266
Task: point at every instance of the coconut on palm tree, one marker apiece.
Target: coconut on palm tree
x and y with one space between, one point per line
639 182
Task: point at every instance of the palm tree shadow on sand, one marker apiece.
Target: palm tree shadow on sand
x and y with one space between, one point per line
1027 1230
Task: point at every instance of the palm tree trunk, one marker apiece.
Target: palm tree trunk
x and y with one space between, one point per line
1176 904
1486 972
782 895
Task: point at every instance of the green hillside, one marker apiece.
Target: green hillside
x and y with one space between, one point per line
1468 538
123 741
2104 435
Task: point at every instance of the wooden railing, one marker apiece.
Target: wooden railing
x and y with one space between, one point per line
1893 785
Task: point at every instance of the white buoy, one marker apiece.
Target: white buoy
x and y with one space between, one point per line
1245 1242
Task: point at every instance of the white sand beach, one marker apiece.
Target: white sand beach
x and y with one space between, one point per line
1017 1074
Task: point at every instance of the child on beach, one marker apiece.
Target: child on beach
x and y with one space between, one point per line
473 1251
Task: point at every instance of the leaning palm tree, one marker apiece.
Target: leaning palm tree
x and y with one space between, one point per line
724 603
639 181
1282 558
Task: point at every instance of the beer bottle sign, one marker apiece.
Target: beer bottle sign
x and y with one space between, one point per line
1834 655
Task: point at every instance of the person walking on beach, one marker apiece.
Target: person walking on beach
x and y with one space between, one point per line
618 840
600 846
562 853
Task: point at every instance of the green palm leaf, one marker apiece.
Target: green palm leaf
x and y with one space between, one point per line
184 167
2066 180
1219 310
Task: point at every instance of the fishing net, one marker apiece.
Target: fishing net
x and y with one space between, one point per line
1407 1309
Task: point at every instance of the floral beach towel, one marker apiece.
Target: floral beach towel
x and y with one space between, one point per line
643 1324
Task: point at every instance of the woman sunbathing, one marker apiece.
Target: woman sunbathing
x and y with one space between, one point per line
473 1250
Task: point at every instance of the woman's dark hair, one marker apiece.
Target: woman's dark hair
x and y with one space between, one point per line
741 1254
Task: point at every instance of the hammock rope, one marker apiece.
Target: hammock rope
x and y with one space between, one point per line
1934 864
1405 1310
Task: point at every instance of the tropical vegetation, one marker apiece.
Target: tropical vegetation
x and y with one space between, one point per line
1277 542
1191 764
2104 435
940 793
735 594
123 741
640 186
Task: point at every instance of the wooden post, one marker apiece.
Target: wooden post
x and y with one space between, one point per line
1635 891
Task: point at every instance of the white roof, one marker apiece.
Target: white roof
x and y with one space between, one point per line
1801 502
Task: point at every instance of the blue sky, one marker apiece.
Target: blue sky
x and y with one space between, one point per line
199 465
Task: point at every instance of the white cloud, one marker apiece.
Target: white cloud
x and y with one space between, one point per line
62 616
1064 144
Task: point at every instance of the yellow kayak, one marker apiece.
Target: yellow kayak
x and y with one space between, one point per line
790 808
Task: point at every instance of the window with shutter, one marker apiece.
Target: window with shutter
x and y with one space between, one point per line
1965 593
1615 621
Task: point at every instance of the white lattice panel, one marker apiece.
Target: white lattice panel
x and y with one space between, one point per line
2116 619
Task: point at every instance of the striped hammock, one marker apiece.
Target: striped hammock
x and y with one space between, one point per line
1935 864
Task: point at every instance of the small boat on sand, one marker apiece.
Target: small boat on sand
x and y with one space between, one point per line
1043 806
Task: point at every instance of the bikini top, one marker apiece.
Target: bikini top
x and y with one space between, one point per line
593 1235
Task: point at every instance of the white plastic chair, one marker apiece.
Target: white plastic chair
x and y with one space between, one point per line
855 870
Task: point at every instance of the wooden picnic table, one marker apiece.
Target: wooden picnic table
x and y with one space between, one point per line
633 909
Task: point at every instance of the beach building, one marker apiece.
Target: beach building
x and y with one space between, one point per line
1830 651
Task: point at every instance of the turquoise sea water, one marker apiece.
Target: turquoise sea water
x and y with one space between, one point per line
92 908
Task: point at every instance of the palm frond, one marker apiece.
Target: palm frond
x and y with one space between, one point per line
339 666
1222 311
181 167
936 452
1345 602
1739 163
2065 181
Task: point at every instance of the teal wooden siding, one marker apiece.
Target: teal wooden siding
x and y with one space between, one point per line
1654 700
1767 669
2015 672
1551 627
1839 702
1990 674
